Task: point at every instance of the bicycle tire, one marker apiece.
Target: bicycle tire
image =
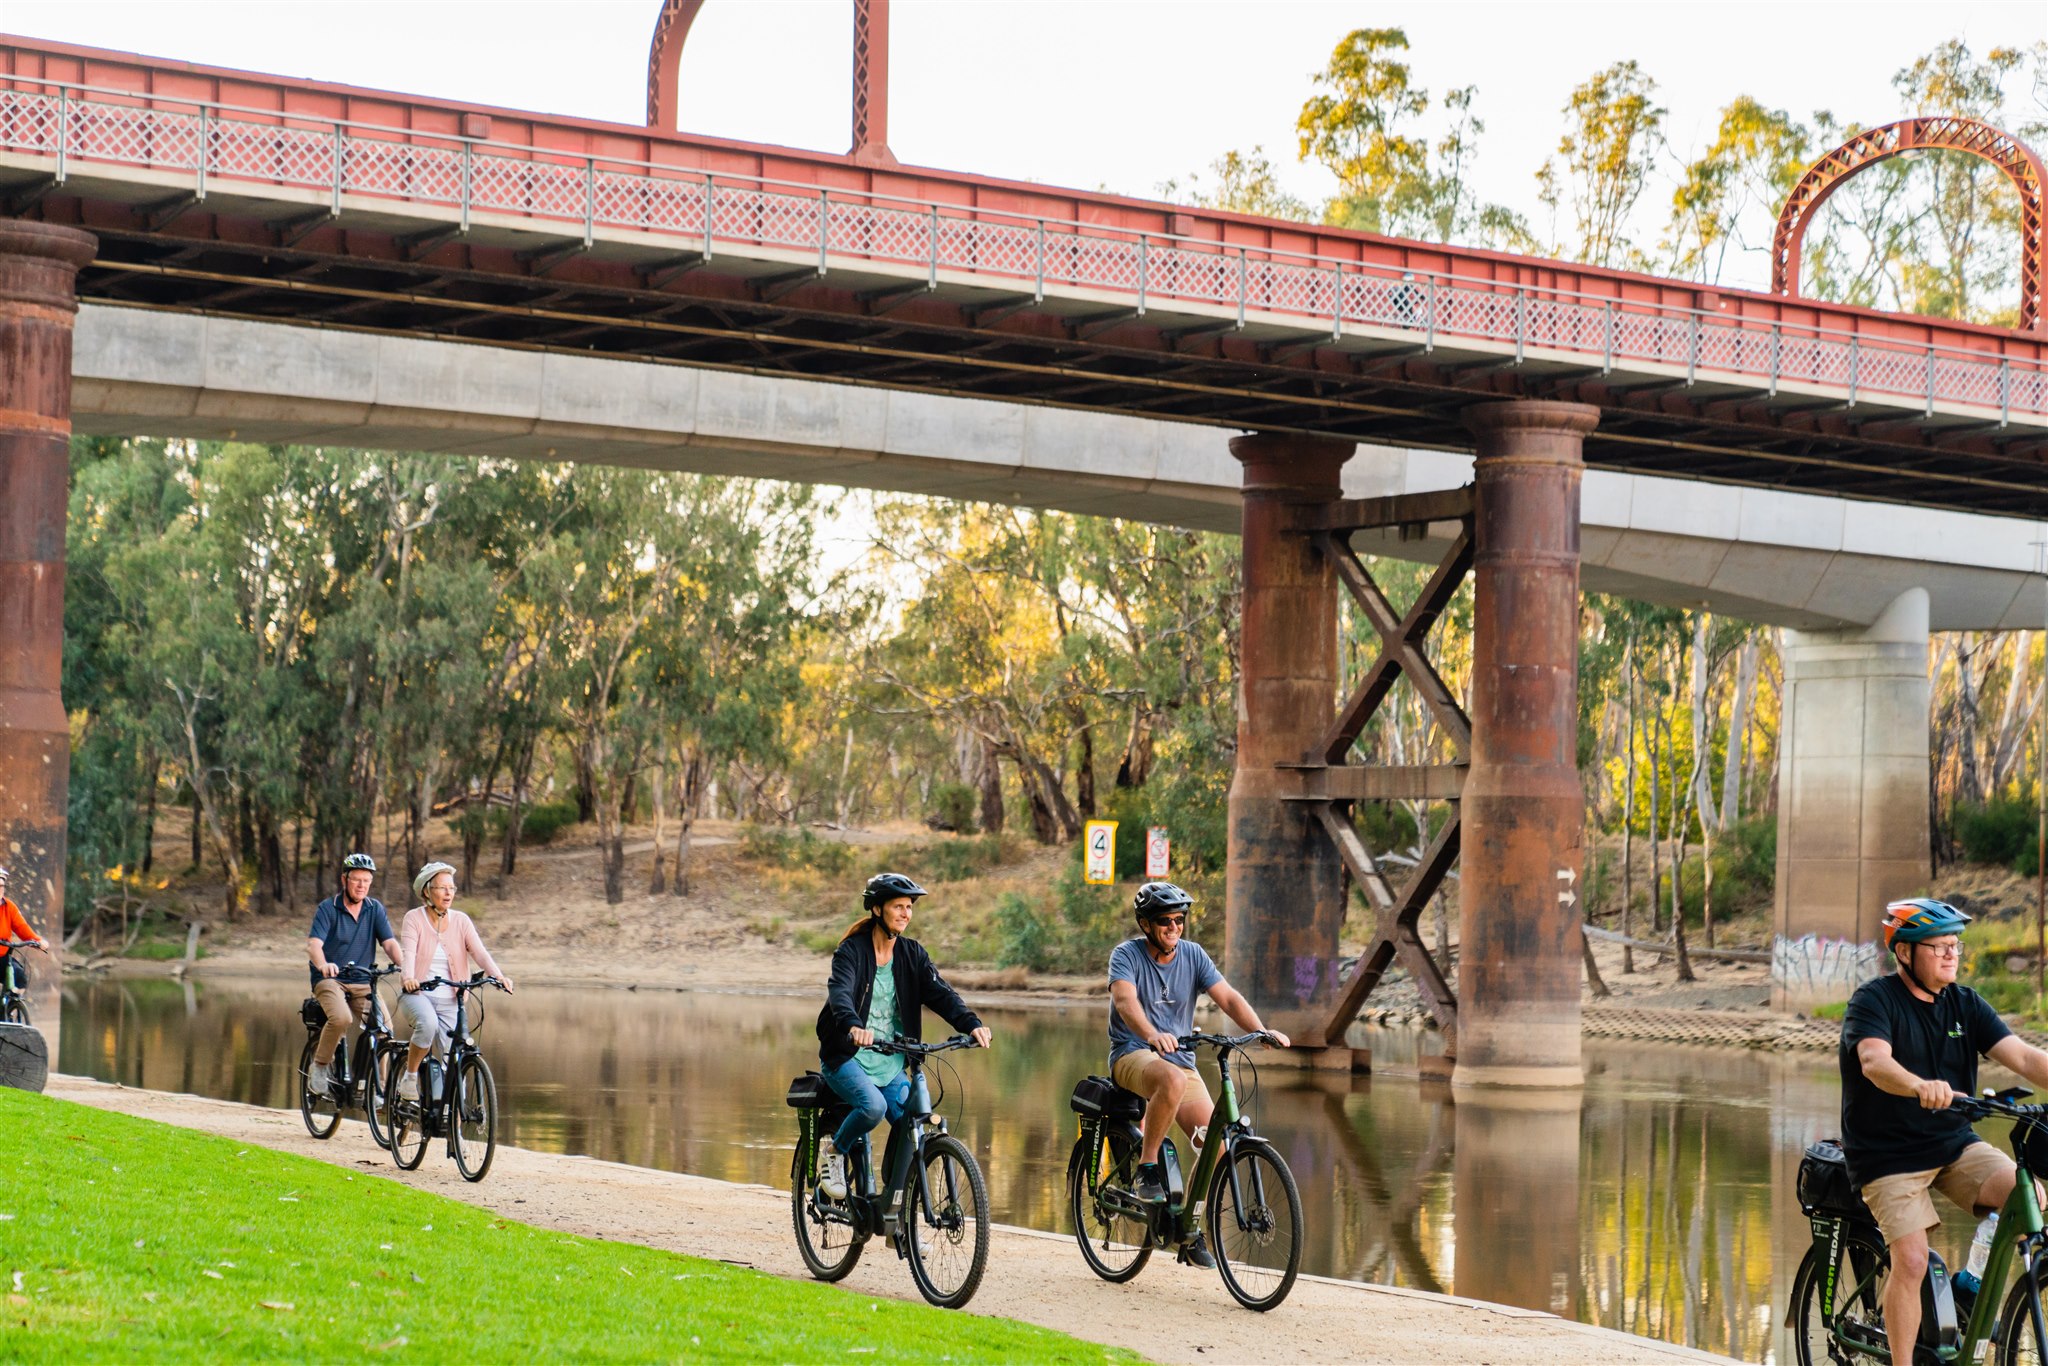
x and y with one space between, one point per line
2015 1334
318 1109
408 1146
377 1102
946 1220
1255 1225
15 1011
473 1118
830 1246
1112 1257
1863 1254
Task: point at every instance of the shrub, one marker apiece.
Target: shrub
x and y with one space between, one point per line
1997 831
1745 871
542 821
1073 934
953 807
954 860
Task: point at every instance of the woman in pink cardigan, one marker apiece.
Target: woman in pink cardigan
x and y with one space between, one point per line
436 940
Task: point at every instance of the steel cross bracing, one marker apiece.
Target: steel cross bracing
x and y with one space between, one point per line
1330 785
508 244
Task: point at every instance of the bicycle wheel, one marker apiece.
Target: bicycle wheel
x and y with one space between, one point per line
1858 1309
1115 1245
825 1235
377 1102
946 1220
2017 1345
14 1011
1255 1225
473 1125
317 1108
408 1123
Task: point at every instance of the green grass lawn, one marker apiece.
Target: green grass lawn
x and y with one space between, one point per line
125 1239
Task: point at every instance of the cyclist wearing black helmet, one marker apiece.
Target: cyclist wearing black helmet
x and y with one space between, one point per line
1910 1044
347 928
863 1003
1154 978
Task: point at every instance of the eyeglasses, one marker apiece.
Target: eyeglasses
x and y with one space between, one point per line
1952 949
1169 920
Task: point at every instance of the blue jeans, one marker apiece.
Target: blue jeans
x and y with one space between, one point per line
870 1103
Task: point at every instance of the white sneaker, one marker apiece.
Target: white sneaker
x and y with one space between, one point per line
832 1183
409 1086
319 1078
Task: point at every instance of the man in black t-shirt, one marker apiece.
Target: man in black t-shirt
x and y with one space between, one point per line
1910 1044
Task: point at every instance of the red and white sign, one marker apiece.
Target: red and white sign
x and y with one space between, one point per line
1156 849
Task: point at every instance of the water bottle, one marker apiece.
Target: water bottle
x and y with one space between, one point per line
1980 1249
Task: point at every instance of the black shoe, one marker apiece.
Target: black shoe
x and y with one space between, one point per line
1195 1252
1150 1185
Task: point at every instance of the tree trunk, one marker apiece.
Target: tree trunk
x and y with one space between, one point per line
688 800
586 795
1628 816
197 855
154 770
1136 767
1084 766
1738 733
1593 978
991 780
515 818
657 883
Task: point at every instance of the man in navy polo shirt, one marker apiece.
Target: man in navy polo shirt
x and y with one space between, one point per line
347 928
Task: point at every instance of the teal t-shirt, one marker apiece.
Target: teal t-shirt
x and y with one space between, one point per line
882 1068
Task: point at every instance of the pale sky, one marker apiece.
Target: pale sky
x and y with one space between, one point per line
1121 94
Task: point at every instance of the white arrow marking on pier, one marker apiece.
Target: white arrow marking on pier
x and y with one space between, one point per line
1568 876
1568 898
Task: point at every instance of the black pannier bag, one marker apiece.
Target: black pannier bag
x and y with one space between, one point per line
1824 1182
311 1013
1102 1098
807 1092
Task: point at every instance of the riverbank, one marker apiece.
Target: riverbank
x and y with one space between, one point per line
1033 1277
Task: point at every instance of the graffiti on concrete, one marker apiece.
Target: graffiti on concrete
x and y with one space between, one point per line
1816 968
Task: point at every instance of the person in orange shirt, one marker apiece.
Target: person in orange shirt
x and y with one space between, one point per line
12 926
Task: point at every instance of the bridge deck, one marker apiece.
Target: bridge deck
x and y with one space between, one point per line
265 197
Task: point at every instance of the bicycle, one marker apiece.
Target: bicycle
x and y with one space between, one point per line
457 1100
354 1076
14 1003
943 1229
1254 1209
1837 1311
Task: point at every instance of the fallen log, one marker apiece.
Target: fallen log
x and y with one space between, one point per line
24 1057
1662 946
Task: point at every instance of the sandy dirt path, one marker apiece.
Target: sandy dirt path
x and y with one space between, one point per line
1033 1276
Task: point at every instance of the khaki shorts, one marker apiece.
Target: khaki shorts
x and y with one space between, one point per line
1126 1071
1902 1206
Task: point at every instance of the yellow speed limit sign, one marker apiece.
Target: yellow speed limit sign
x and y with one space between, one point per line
1098 852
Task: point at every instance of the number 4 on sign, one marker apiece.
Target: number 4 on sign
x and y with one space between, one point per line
1098 852
1569 877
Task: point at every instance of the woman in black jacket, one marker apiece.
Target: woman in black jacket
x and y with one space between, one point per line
864 1004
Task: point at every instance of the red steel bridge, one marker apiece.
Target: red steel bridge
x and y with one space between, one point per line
157 184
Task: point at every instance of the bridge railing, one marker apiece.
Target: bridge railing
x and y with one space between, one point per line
327 161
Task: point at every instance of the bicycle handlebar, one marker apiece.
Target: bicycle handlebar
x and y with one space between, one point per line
1226 1042
24 944
482 979
2004 1105
351 973
909 1049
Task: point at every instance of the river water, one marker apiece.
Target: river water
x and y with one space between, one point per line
1661 1204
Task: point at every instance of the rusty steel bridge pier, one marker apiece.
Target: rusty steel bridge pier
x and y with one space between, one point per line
39 264
1512 784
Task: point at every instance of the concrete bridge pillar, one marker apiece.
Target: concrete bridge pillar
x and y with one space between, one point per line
1852 799
1523 809
1285 883
38 268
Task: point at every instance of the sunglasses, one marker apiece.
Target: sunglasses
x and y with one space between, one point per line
1169 920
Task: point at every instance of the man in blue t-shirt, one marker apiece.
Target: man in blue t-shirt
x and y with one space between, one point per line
1910 1044
1153 981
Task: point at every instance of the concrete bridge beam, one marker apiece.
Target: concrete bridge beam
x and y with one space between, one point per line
1285 884
1523 809
38 267
1852 799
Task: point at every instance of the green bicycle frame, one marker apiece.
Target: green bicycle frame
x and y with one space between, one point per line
2020 1216
1227 1115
